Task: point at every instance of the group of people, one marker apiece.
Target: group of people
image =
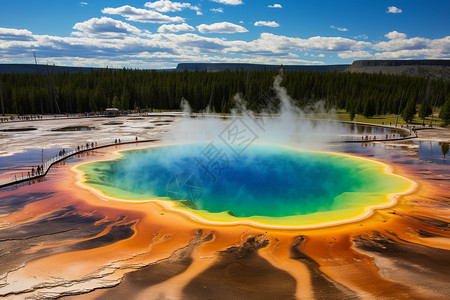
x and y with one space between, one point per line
374 138
20 118
36 171
117 141
87 146
369 138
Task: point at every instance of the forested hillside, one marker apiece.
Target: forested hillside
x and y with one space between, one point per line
437 68
216 67
367 94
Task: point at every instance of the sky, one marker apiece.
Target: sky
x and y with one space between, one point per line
160 34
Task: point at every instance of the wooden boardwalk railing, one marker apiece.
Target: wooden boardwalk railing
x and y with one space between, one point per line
22 177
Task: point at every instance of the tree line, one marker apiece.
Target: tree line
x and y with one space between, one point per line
127 89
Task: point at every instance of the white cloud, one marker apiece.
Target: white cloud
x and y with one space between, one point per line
10 34
83 3
395 35
169 6
222 27
355 54
414 48
403 44
275 6
339 28
119 44
267 23
141 15
282 43
105 27
217 10
175 28
394 10
409 54
361 36
229 2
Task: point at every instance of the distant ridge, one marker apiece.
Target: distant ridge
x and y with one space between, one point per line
209 67
396 63
415 68
31 68
430 68
216 67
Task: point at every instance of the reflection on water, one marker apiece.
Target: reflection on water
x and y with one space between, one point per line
75 128
19 129
25 183
357 132
27 159
424 152
362 130
433 151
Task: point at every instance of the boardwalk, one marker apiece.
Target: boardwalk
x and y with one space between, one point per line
409 132
22 177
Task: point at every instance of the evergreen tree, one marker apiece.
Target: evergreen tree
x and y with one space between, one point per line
445 112
424 110
352 114
115 102
367 94
369 108
125 100
409 111
92 101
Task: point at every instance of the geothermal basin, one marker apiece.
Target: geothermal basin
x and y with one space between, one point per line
267 186
197 220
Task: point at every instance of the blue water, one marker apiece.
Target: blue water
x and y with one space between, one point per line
25 160
263 181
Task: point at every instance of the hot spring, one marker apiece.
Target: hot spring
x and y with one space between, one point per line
264 185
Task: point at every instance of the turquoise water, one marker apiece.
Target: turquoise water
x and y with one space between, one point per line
264 181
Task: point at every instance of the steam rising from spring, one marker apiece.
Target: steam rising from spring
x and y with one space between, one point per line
287 125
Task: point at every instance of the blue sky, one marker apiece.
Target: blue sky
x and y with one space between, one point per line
160 34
